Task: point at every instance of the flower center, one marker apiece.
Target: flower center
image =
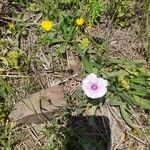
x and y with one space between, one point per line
94 87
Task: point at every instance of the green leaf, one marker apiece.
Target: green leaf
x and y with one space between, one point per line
84 43
138 87
115 103
125 116
14 58
79 50
138 80
87 65
13 54
121 14
2 69
139 93
141 102
61 49
5 89
127 98
120 74
67 28
113 100
92 110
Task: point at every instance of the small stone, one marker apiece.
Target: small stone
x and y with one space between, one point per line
113 42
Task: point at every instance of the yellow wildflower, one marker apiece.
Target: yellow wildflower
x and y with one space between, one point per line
80 21
46 25
10 25
124 84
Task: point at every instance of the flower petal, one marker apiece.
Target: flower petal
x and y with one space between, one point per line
102 82
91 80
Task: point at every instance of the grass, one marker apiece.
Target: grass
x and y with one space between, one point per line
146 20
35 57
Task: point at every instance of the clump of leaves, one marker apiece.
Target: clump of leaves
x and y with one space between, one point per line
122 12
5 91
55 132
146 27
91 51
129 87
12 59
5 133
96 8
91 9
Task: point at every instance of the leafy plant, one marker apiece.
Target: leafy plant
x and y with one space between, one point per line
5 94
129 87
5 135
121 12
146 28
96 8
14 57
91 9
5 91
91 52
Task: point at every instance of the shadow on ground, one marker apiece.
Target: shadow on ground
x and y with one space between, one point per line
88 133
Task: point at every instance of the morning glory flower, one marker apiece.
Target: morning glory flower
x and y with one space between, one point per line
94 87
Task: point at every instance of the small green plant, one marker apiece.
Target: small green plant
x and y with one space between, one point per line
146 28
5 92
96 8
68 33
91 52
91 9
129 87
12 59
55 132
122 12
5 135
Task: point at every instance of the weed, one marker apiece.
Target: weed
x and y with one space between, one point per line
92 9
146 22
129 87
5 94
121 12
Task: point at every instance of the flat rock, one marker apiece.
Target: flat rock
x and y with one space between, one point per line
39 106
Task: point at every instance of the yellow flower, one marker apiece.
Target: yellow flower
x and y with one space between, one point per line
46 25
124 84
80 21
10 25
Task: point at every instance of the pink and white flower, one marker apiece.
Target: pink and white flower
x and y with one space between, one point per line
94 87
